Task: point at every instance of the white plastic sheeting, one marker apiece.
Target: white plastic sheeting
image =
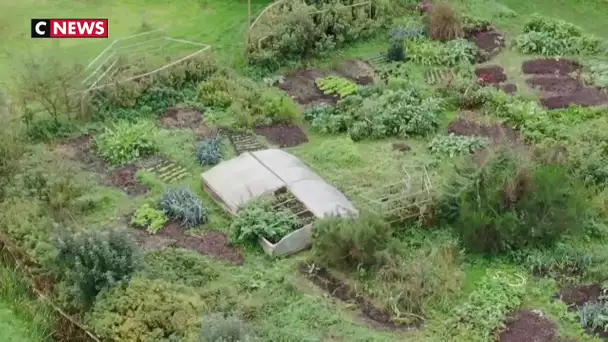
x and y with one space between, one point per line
253 174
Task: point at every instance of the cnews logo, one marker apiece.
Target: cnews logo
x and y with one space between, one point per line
69 28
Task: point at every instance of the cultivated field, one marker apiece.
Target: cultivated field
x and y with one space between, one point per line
469 135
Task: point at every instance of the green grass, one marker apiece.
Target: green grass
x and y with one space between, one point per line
220 24
22 319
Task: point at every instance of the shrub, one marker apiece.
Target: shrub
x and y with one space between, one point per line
396 50
596 72
443 23
450 54
319 110
563 264
511 204
554 37
291 32
184 205
404 109
146 310
453 145
94 260
351 243
331 85
259 219
403 33
179 266
217 328
594 316
150 218
126 142
209 151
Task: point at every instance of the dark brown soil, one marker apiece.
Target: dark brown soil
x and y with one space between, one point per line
81 150
359 71
577 296
525 325
491 74
490 42
496 132
561 67
401 147
508 88
245 142
321 277
124 178
555 84
283 135
586 97
211 243
300 85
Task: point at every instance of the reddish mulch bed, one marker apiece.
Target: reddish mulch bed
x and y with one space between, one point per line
300 85
561 67
124 178
283 135
321 277
555 84
211 243
525 325
586 97
576 296
496 132
491 74
490 42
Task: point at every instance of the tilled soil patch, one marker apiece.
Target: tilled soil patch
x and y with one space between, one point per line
401 147
526 325
490 42
81 150
321 277
585 97
359 71
182 118
283 135
496 132
493 74
549 66
211 243
555 84
577 296
508 88
124 178
300 85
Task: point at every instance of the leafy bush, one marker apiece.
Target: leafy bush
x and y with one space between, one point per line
146 310
259 219
217 328
396 50
443 23
403 109
486 309
450 54
512 204
247 103
351 243
453 145
126 142
554 37
291 32
209 151
331 85
564 263
596 72
319 110
150 218
94 260
184 205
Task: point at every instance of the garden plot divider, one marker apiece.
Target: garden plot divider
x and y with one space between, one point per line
403 200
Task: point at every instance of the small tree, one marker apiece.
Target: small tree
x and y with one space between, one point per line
396 50
443 23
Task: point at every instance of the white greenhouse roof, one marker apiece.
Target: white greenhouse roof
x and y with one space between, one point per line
253 174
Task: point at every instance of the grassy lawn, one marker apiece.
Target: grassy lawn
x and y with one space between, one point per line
57 188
